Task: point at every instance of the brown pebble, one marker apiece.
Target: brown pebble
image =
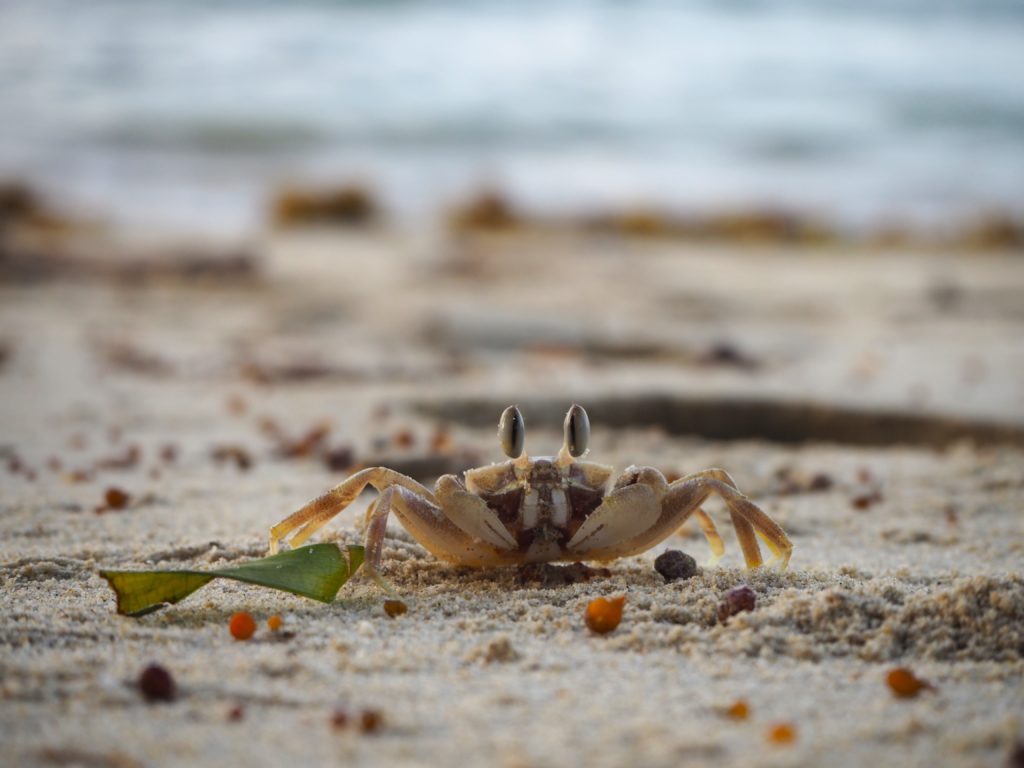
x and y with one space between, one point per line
339 719
395 608
306 445
736 600
820 481
340 459
405 438
168 453
156 684
233 453
727 354
370 721
236 714
1016 757
867 500
116 498
675 564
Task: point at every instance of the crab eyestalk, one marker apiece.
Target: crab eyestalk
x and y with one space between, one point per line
512 432
576 429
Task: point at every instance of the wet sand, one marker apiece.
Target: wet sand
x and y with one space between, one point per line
400 349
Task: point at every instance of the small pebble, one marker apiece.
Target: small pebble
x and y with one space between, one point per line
736 600
603 615
370 721
116 498
1016 757
156 684
404 438
674 565
339 719
820 481
867 500
739 710
242 625
905 684
782 733
395 608
339 459
236 714
274 623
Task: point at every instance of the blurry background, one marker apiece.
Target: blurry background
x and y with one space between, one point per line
249 247
187 114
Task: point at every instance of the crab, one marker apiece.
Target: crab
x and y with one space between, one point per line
540 509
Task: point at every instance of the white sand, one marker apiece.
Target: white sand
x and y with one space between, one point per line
483 670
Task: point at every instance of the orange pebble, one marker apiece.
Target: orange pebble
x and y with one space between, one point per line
905 684
242 625
738 711
603 615
441 441
405 439
275 622
782 733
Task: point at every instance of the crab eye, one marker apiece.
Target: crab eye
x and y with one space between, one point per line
577 431
512 432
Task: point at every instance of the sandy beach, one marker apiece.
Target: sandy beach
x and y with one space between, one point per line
220 405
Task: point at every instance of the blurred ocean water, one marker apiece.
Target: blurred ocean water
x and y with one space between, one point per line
186 113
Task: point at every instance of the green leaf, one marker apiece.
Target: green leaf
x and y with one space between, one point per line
317 571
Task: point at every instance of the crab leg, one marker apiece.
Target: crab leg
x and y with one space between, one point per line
453 530
748 519
317 513
655 480
684 498
707 525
